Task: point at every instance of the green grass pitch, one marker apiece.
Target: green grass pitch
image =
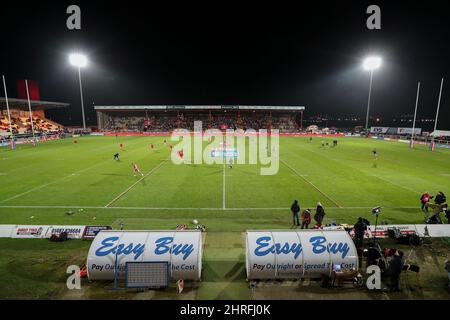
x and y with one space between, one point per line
39 185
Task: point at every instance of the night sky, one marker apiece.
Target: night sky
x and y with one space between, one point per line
263 53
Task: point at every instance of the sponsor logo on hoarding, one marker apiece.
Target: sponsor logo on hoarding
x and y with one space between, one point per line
36 231
68 230
163 245
91 231
108 247
334 247
318 247
378 129
264 248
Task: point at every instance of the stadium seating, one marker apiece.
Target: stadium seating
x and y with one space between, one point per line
22 125
168 121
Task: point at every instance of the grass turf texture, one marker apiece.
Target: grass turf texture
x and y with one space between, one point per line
60 176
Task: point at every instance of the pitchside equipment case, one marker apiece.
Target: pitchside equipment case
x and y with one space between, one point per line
289 254
112 249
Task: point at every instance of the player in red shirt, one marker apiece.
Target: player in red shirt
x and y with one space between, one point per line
424 199
121 146
181 153
136 169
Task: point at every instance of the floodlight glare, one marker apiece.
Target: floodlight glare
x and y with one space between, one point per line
372 63
78 60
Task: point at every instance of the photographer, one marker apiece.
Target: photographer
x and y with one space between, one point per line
372 256
439 206
440 198
395 269
360 228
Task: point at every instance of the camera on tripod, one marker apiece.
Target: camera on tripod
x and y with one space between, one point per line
376 210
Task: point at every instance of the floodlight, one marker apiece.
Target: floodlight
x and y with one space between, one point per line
78 60
372 63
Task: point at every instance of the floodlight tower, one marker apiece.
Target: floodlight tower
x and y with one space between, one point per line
370 64
79 61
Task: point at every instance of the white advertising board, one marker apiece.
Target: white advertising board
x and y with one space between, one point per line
441 133
417 131
382 230
422 230
29 231
6 230
73 232
379 129
43 231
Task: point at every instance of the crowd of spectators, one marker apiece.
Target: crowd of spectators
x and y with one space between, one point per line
168 121
22 125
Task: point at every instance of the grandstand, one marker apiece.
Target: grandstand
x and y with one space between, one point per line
287 119
20 117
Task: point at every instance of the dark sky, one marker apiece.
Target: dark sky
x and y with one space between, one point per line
264 53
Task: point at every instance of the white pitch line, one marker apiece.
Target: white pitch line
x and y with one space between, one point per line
223 189
302 177
49 183
395 184
177 209
368 174
132 186
55 181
